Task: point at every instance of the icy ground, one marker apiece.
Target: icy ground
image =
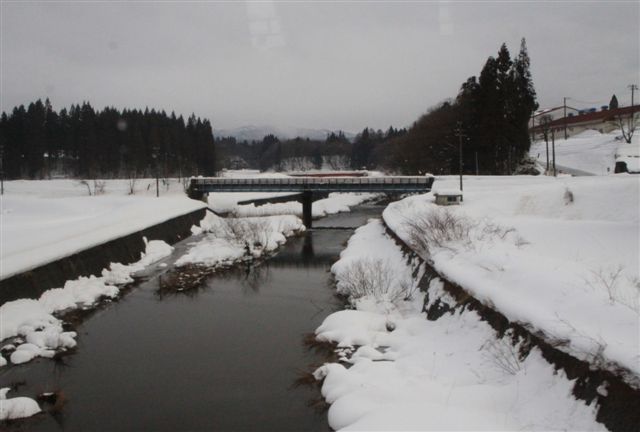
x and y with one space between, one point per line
400 371
591 151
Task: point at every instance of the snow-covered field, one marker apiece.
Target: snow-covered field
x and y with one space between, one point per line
400 371
590 151
560 256
46 220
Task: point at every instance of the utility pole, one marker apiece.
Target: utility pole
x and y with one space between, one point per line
477 170
1 169
154 156
553 149
565 116
459 134
633 88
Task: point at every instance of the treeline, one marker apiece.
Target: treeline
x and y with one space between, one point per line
38 142
336 152
490 115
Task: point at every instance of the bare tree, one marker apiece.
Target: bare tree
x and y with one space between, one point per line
627 126
132 178
545 126
99 186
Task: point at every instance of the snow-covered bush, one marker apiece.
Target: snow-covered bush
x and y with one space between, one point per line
436 229
252 233
374 278
441 228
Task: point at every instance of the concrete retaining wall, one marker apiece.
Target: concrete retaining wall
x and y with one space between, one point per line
127 249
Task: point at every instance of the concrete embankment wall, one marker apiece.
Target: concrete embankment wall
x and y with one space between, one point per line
126 249
617 406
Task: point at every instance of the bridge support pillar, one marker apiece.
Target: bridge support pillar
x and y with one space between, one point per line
307 202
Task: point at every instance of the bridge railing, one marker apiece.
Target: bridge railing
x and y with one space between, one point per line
200 186
409 180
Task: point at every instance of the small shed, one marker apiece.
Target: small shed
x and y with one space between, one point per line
448 196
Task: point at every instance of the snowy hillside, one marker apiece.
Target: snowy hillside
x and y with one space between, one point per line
589 151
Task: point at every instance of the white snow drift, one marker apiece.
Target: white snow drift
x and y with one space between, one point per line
40 333
400 371
559 256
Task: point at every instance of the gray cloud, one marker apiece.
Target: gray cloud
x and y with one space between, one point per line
320 64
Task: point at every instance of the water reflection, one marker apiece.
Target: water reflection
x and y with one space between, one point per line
221 356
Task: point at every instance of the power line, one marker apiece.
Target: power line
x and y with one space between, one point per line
587 102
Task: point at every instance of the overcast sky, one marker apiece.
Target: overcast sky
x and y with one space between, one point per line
334 65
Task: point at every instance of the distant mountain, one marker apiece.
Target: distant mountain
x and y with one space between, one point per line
256 133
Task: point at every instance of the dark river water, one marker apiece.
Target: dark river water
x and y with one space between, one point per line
225 358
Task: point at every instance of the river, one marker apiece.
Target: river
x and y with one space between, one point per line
224 358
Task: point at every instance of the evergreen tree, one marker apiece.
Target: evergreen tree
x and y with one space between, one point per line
613 103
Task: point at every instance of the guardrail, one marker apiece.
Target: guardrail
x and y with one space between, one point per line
313 184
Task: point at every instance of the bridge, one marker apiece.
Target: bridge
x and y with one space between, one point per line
309 187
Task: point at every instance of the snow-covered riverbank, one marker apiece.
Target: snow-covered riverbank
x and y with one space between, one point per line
45 220
33 328
558 256
400 371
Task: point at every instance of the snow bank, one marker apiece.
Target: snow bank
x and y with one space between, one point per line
371 259
589 151
18 407
40 333
400 371
560 257
228 240
630 154
43 221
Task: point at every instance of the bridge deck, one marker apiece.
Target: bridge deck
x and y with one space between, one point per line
312 184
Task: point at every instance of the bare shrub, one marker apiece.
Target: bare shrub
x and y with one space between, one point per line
366 277
504 355
568 197
186 181
375 278
610 280
606 279
86 183
131 182
441 227
252 233
436 229
97 187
